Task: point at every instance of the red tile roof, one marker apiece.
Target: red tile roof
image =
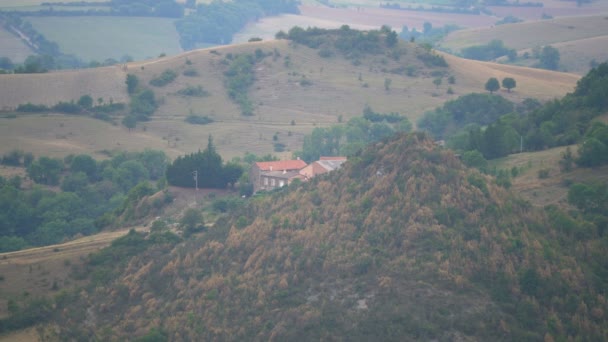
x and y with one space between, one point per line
281 165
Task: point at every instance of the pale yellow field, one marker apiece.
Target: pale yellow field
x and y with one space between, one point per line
529 34
536 83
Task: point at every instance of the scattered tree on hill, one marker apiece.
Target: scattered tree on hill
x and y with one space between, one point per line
488 52
387 84
508 83
567 160
391 36
143 105
6 63
549 58
45 170
191 221
132 83
85 101
437 82
36 64
492 85
593 150
590 198
129 121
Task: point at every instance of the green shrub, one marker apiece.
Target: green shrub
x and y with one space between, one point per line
190 72
165 78
543 173
195 91
198 119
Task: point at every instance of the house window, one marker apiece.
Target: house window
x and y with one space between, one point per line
265 181
281 183
272 182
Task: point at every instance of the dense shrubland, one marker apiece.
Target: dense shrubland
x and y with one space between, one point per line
75 196
403 243
495 127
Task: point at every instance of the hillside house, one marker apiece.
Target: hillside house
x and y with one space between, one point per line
275 174
321 166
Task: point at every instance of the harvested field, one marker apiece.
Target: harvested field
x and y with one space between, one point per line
530 34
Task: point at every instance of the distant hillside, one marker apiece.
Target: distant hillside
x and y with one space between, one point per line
578 39
294 89
403 243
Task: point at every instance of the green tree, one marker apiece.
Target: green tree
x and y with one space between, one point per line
509 83
85 101
475 159
191 221
492 85
391 38
143 104
549 58
567 161
387 84
45 170
129 121
132 83
590 198
6 63
437 82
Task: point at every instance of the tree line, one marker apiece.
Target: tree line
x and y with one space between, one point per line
217 21
94 194
203 169
496 127
346 140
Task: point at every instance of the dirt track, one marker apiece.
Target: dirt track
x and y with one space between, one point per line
66 250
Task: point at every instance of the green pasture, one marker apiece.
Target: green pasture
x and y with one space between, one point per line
99 38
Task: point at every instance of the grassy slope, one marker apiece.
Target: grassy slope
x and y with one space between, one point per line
279 98
99 38
551 190
579 39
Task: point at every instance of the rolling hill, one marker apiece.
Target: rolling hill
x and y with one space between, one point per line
578 39
403 243
295 89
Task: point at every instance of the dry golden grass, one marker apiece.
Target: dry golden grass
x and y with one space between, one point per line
529 34
578 39
34 271
49 88
576 56
536 83
551 190
338 89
